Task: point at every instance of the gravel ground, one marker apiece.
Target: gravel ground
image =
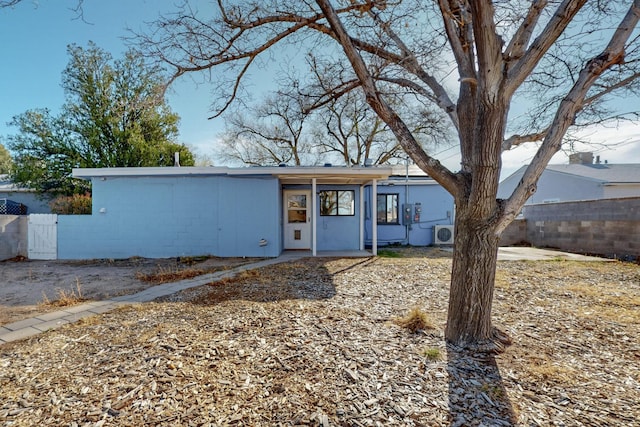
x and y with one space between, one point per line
26 285
317 342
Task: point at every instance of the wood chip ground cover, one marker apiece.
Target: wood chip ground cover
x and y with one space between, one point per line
315 342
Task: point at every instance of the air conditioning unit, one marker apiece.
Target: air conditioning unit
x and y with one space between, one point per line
444 234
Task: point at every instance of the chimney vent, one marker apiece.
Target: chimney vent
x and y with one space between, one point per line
585 158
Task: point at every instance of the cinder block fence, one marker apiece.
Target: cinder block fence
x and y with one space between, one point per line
608 227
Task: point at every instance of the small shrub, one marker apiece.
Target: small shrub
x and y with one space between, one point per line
416 320
78 204
432 354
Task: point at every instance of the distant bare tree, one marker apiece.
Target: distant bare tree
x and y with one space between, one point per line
271 134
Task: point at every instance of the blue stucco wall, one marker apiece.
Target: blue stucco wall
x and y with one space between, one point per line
338 233
159 217
437 209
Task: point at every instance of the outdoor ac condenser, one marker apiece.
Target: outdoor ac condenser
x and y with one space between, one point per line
443 235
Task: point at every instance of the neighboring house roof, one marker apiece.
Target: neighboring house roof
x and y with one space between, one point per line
579 181
605 173
7 186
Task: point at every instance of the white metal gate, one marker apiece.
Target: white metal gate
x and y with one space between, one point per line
43 236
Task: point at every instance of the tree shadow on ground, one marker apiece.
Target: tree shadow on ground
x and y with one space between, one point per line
477 395
307 278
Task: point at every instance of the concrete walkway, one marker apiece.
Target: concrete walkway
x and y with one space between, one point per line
44 322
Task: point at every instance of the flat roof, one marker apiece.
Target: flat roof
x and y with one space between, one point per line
287 174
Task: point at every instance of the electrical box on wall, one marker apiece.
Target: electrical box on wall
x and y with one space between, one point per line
407 211
417 212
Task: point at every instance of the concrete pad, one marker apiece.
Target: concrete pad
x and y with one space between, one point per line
521 253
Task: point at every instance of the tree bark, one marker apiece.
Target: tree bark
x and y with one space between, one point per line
472 280
477 237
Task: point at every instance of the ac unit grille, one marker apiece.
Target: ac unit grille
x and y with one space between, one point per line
444 234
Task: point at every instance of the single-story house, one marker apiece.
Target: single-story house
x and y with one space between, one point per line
581 179
252 211
20 200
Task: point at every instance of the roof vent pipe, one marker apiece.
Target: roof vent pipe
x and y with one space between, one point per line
368 162
176 159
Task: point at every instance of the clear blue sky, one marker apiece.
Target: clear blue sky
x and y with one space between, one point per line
35 35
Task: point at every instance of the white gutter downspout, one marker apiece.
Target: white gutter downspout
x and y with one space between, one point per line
362 217
374 221
313 218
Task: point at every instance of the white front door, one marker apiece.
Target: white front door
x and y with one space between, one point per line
297 219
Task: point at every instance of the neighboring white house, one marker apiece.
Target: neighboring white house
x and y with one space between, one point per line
581 179
12 195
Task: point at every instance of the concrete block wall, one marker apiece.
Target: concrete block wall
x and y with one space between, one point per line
13 236
515 234
623 209
608 227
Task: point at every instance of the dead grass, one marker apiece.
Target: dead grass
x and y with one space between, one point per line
606 300
551 371
177 273
415 321
64 298
166 275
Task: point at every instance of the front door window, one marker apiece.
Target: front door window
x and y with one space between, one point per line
298 219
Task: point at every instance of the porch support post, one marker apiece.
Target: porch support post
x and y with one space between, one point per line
374 220
362 217
313 217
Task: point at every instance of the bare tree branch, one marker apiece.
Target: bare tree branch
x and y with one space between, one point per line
519 71
515 140
519 42
399 128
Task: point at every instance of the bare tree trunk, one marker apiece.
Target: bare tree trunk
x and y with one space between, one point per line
472 283
477 238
